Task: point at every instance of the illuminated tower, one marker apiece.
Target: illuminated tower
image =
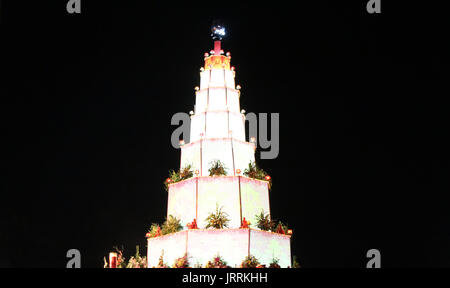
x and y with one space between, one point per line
218 133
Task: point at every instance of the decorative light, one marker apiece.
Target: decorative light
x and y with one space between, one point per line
211 52
221 52
181 142
242 111
238 87
268 177
217 32
238 171
206 54
196 88
289 232
191 112
232 68
197 172
202 69
168 180
228 54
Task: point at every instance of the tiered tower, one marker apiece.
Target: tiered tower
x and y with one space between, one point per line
218 133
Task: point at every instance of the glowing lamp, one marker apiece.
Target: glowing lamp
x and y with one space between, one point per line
191 112
168 180
112 260
197 172
206 54
217 32
196 88
221 52
238 171
211 52
228 54
238 87
268 177
289 232
232 68
243 111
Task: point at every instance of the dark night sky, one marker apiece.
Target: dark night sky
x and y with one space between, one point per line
87 101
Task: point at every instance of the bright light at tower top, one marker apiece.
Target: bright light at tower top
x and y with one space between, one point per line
218 32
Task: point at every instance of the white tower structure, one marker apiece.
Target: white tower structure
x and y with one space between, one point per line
218 133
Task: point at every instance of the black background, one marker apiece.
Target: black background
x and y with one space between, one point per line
87 101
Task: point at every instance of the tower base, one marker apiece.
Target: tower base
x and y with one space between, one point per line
233 245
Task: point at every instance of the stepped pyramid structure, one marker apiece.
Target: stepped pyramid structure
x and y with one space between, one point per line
218 133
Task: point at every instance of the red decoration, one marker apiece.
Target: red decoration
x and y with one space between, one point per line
268 177
280 230
244 223
168 180
192 225
112 260
238 171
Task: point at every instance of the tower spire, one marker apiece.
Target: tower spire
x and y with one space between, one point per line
217 33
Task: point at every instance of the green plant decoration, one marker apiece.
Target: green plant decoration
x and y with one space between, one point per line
182 174
217 262
137 261
250 262
274 263
171 225
161 263
263 222
217 168
217 220
181 262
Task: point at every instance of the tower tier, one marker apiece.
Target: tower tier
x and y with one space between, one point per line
217 124
238 196
233 245
234 154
